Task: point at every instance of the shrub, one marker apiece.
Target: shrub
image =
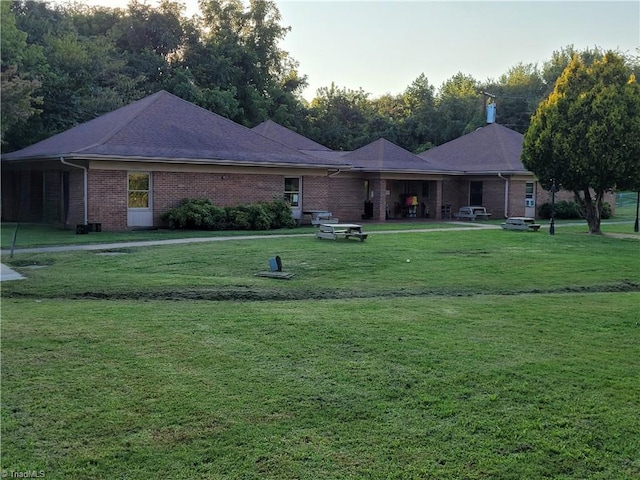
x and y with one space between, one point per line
249 217
190 213
566 210
280 213
201 214
196 214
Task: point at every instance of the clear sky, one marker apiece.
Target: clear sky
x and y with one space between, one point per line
382 46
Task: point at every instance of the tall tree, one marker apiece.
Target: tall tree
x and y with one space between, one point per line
560 59
339 117
419 124
459 107
239 52
585 135
517 94
18 85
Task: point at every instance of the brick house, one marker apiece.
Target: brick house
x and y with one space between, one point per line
480 168
128 167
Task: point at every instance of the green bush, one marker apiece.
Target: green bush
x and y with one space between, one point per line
191 213
280 213
201 214
566 210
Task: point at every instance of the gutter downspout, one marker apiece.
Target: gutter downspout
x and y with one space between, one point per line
506 195
334 173
86 193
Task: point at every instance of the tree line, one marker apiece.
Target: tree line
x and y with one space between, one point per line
63 65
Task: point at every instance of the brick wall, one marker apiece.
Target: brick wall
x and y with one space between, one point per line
493 189
107 199
315 193
227 189
347 196
108 192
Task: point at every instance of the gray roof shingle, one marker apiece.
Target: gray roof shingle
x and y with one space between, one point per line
165 127
277 132
490 149
385 156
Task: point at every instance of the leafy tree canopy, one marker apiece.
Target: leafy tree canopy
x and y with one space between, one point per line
585 134
65 64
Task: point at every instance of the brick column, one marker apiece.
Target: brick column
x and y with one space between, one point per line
438 198
379 188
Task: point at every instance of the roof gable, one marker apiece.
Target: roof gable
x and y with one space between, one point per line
493 148
383 155
286 136
163 126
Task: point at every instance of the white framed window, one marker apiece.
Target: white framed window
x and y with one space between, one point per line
139 190
292 191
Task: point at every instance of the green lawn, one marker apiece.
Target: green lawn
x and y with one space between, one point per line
489 355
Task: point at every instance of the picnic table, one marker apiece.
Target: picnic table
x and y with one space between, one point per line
521 223
332 231
472 213
320 216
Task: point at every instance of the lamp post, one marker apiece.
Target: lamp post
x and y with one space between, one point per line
635 225
552 225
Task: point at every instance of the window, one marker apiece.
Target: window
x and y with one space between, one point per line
292 191
139 183
475 193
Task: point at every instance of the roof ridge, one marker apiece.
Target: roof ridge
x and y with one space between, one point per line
151 100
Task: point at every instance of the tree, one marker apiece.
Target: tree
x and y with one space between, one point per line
459 108
517 94
418 124
339 117
19 101
585 135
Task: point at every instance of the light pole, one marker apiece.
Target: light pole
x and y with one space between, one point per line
635 225
552 225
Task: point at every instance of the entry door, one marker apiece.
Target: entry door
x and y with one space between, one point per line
139 211
475 193
293 195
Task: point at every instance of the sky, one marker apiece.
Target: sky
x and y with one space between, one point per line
383 46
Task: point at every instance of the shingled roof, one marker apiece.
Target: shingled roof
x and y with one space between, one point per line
163 127
288 137
385 156
490 149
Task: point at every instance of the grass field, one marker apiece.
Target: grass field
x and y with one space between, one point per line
30 235
489 355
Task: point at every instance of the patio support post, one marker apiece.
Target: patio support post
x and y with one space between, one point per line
379 188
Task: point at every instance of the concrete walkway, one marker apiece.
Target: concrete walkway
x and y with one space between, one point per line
7 274
177 241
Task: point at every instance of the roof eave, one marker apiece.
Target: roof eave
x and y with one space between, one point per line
183 160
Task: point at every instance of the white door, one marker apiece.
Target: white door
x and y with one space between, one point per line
139 202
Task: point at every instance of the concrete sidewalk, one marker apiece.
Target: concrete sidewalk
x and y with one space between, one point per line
177 241
7 274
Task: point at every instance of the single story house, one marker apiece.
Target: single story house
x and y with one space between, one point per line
126 168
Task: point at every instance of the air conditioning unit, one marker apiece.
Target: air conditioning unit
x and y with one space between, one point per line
529 202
